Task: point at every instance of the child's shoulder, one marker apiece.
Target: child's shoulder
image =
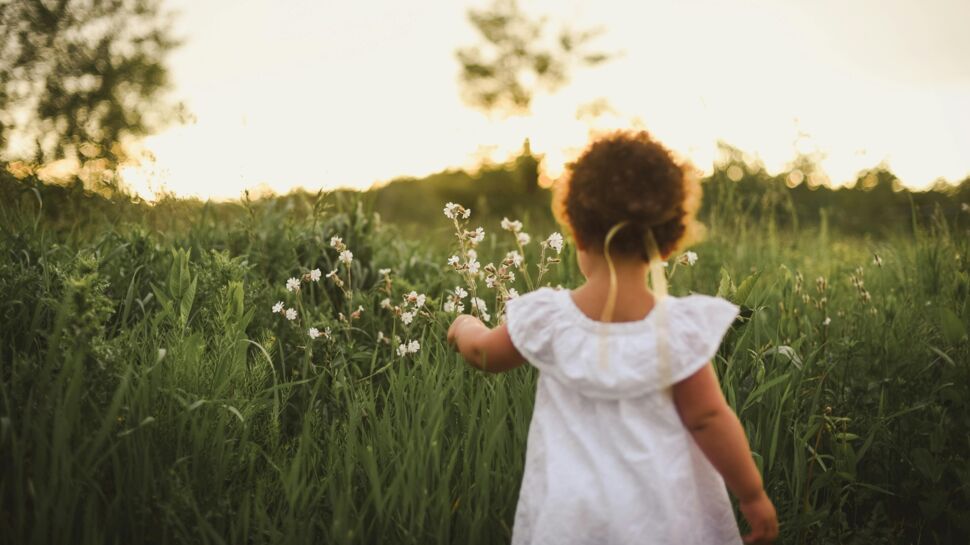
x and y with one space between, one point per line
535 304
695 309
701 308
538 296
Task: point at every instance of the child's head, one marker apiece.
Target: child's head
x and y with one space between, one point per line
628 176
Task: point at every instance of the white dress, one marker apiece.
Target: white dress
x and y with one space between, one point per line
608 460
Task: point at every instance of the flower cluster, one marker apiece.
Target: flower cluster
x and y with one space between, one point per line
415 301
280 308
554 242
687 258
346 258
499 277
413 305
454 303
481 308
454 211
857 281
293 286
411 347
511 225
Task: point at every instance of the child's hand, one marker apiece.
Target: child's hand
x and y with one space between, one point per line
761 516
457 325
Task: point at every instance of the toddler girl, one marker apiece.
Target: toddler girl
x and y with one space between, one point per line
631 440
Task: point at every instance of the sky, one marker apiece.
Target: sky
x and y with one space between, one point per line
321 93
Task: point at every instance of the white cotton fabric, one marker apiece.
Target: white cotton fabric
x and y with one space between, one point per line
608 460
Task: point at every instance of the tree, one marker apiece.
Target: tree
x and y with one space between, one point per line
79 78
495 74
527 168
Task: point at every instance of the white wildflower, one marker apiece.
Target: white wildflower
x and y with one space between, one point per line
477 236
827 321
451 209
449 306
293 284
411 347
474 266
313 332
555 242
509 225
386 302
278 307
453 260
422 298
688 258
490 281
291 314
523 238
315 275
479 305
471 254
407 317
346 257
384 272
512 293
460 292
514 257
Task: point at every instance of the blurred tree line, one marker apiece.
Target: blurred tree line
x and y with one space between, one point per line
80 80
875 204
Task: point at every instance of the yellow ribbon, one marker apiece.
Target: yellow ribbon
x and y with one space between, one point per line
659 281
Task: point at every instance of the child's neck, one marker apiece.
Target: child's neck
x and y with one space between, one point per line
634 299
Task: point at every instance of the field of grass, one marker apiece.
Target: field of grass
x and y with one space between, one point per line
149 394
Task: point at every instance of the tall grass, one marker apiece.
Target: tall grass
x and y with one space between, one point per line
149 395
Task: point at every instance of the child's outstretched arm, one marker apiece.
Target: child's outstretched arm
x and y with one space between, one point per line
487 349
719 434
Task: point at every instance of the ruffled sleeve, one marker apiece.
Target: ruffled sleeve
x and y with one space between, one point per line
699 325
531 320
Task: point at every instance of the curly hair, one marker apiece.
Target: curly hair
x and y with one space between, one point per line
629 177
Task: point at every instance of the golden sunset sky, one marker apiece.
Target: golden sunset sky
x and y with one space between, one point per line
320 93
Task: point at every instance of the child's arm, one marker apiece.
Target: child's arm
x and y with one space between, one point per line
487 349
719 434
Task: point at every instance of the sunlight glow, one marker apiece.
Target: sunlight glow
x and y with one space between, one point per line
319 94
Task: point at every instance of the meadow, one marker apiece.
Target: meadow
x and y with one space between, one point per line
151 393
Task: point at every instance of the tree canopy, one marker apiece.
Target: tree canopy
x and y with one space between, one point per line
78 78
516 56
